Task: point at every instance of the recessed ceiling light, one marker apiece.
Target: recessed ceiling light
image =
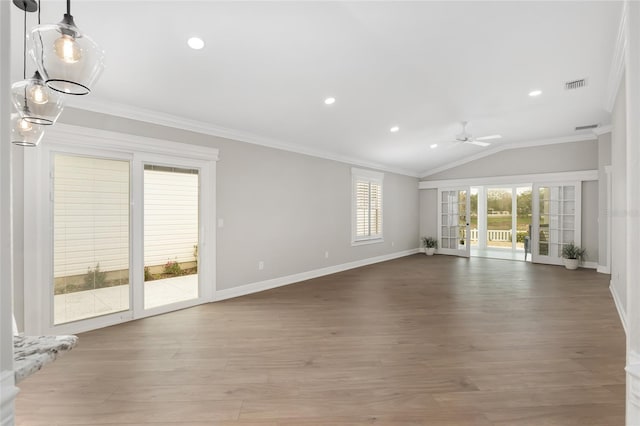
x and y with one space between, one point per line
330 101
434 145
394 129
535 93
195 43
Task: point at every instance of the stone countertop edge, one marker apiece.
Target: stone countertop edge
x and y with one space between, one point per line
31 353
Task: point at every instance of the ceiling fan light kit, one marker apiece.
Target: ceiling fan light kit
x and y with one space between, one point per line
467 138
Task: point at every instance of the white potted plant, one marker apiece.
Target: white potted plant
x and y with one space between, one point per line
572 254
430 245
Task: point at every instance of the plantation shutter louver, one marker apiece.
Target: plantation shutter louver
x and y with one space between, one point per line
368 207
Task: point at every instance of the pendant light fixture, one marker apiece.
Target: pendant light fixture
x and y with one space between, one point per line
69 61
24 133
35 102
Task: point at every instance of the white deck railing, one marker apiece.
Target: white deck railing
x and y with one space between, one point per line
493 235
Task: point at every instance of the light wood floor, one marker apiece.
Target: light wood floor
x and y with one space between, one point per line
415 341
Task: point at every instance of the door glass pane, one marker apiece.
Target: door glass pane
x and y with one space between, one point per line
569 193
568 236
569 207
90 237
499 218
171 200
568 222
473 217
543 237
524 205
462 219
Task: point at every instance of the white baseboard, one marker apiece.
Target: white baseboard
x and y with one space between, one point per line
603 269
589 265
619 306
303 276
8 393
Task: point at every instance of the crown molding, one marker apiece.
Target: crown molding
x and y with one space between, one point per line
578 175
616 72
500 148
177 122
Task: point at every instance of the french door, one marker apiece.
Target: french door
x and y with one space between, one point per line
454 221
127 232
556 220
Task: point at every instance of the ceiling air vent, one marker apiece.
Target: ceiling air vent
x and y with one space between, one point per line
575 84
590 126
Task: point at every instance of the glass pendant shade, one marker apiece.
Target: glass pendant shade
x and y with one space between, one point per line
24 133
36 103
69 61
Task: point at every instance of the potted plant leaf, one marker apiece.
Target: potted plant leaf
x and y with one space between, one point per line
430 245
572 255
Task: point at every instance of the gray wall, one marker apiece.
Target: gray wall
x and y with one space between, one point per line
604 160
564 157
619 196
429 213
282 208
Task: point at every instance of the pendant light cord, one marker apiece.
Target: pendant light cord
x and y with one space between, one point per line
68 7
40 37
24 59
24 47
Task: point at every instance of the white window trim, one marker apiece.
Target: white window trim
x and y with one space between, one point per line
37 228
375 177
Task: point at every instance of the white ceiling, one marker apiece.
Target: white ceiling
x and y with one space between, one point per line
423 66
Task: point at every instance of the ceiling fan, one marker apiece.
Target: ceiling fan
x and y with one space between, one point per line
466 137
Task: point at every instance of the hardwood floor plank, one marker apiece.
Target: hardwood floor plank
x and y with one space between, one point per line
414 341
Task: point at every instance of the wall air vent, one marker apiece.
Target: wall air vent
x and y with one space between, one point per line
575 84
590 126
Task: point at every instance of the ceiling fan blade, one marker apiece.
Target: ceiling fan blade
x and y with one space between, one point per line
488 138
479 143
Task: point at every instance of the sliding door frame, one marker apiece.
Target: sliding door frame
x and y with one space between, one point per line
38 231
205 293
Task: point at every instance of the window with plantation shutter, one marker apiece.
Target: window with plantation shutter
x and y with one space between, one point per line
367 206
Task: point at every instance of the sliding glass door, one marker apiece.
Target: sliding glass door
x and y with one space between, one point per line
127 237
171 235
91 238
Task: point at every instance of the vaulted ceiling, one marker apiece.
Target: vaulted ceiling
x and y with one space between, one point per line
267 68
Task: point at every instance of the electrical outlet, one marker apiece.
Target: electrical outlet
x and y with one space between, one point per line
260 265
393 243
220 223
326 254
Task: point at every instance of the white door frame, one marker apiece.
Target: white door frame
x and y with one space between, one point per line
38 231
466 251
536 257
